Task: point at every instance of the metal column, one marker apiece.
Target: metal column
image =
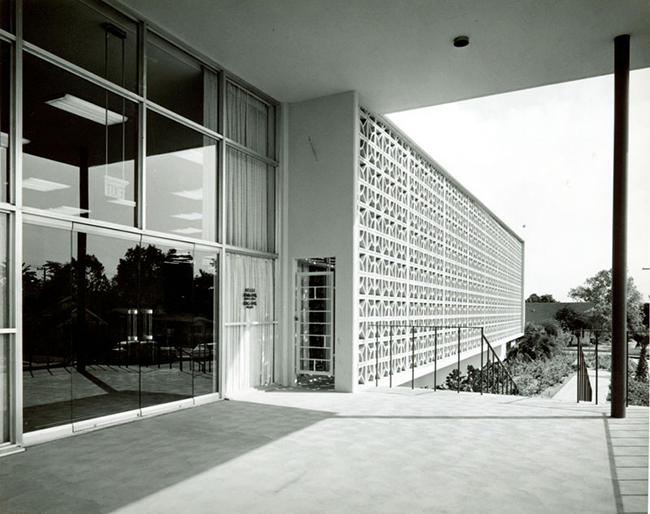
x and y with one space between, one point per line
619 232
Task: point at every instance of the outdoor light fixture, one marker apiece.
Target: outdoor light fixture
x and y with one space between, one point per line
461 41
85 109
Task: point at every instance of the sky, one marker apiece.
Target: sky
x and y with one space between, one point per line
542 160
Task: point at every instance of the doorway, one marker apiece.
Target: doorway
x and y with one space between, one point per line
315 288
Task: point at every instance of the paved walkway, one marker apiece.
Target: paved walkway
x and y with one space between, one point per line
380 451
569 392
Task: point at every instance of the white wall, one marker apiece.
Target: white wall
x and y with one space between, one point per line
323 153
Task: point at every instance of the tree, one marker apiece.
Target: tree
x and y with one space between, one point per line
570 320
598 290
545 298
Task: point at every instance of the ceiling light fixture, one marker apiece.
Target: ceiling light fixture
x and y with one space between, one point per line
194 194
85 109
188 231
44 186
191 216
461 41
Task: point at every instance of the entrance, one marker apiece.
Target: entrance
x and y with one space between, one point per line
113 322
315 317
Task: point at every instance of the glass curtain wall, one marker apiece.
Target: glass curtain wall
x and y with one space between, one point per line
121 254
5 354
122 234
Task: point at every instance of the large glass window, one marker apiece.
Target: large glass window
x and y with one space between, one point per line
48 320
79 146
250 121
4 121
181 179
4 270
114 322
90 35
181 83
250 201
4 388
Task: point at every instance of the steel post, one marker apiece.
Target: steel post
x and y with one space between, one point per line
619 226
458 359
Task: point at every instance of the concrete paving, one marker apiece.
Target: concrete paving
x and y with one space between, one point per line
379 451
569 391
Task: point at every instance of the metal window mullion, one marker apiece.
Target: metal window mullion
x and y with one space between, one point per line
251 153
163 111
80 72
16 234
140 221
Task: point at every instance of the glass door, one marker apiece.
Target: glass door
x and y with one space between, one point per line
105 357
166 321
114 322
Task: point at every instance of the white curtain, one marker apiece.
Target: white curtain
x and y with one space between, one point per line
247 120
249 189
249 332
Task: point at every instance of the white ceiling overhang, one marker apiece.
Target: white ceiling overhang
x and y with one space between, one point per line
398 54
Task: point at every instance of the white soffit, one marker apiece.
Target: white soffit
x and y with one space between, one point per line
398 54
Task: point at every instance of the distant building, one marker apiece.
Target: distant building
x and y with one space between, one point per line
539 312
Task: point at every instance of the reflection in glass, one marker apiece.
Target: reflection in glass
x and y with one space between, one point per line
180 83
4 121
4 388
166 276
48 321
181 179
204 353
4 270
80 156
105 378
113 323
95 37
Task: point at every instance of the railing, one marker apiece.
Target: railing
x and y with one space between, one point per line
584 386
492 376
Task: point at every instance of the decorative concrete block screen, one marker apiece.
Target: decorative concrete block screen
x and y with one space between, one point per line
430 255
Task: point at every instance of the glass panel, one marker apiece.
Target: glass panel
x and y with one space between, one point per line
48 320
250 121
88 34
204 355
5 356
79 148
105 379
4 271
181 179
166 344
250 200
6 15
4 121
181 83
248 347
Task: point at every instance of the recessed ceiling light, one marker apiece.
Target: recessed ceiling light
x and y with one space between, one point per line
461 41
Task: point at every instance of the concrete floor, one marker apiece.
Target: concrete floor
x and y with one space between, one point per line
379 451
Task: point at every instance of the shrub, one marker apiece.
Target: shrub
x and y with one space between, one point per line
642 366
638 392
533 377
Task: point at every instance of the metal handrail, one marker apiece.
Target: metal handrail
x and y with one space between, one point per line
505 382
584 392
509 384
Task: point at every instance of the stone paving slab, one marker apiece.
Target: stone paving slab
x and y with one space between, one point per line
379 451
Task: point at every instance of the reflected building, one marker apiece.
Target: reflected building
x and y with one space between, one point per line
160 248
